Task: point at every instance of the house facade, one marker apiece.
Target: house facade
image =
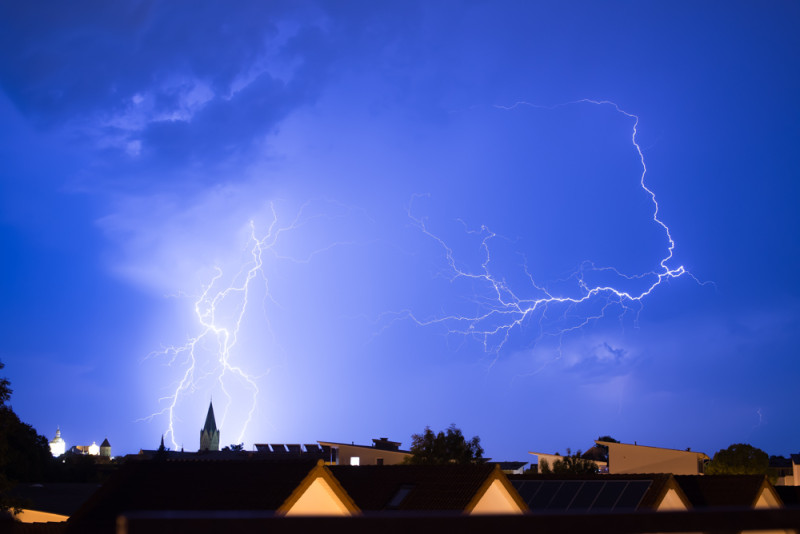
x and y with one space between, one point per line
624 458
381 452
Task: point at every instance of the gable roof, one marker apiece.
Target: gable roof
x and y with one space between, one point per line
319 472
723 490
414 487
595 492
194 485
497 477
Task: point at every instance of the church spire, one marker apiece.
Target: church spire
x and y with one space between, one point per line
209 435
211 423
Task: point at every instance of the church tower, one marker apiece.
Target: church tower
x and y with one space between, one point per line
209 436
57 445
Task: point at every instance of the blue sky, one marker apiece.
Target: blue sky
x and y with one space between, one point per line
397 163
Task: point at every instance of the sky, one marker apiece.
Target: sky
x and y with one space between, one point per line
544 222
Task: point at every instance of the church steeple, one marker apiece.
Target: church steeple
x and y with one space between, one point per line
209 435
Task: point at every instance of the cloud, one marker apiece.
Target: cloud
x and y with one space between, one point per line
170 83
155 87
595 359
169 243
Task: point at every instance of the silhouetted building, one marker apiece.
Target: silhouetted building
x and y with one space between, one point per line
209 435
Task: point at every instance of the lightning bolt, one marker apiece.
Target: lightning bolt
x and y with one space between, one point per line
502 310
220 310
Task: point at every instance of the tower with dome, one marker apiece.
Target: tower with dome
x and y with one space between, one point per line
57 444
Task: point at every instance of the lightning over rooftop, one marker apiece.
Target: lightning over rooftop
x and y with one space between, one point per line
214 358
342 220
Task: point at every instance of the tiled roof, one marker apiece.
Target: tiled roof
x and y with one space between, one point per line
721 490
426 487
188 485
62 499
790 495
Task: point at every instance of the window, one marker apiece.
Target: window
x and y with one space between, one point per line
379 461
355 460
400 496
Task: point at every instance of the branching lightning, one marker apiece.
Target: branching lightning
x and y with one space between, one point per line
501 309
220 310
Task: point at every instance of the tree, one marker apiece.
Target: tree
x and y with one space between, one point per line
5 388
24 454
571 464
604 448
7 503
739 459
443 448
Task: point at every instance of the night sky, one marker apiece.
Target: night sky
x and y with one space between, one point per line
356 219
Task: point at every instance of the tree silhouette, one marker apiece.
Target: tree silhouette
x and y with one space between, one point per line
444 448
24 454
571 464
739 459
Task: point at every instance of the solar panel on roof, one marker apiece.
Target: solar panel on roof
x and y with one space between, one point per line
582 495
545 494
565 494
632 494
587 495
527 488
609 494
277 447
312 447
294 448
